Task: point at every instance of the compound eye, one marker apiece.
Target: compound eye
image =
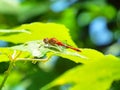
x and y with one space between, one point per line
45 40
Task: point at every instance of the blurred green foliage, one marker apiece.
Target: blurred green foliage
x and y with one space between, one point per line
77 16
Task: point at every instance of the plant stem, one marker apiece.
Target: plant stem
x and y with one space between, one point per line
6 74
12 58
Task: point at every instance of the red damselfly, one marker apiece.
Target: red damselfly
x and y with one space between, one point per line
54 41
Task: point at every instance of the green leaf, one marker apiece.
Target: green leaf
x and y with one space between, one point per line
85 56
38 49
27 51
34 31
97 75
39 31
6 53
33 35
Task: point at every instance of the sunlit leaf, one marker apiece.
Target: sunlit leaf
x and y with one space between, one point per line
85 56
97 75
38 49
6 53
39 31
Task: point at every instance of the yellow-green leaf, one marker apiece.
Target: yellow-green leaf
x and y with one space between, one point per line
97 75
39 31
85 56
